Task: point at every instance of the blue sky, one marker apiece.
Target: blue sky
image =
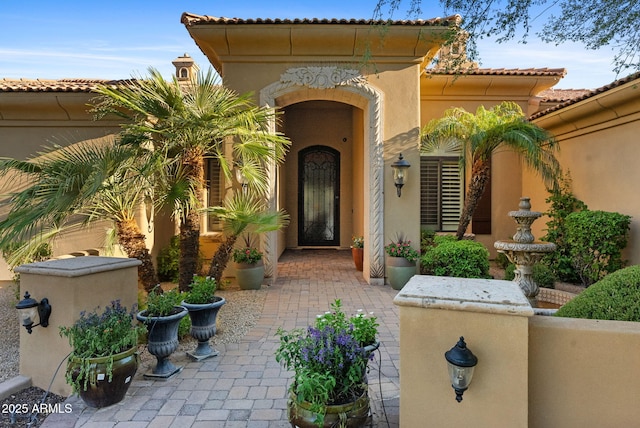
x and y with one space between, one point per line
117 39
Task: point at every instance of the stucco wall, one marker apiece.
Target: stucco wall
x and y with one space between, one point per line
599 148
30 121
583 373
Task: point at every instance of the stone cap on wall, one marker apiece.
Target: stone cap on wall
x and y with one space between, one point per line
464 294
78 266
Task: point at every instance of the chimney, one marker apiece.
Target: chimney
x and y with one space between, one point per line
186 67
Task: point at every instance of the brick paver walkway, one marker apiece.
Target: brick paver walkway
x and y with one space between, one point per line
244 386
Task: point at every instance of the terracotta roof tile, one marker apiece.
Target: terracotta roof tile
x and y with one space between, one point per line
560 95
586 95
50 85
189 19
560 72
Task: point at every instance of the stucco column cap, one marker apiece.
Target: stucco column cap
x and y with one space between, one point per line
464 294
78 266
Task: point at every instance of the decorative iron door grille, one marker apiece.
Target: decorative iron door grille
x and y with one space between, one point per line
319 197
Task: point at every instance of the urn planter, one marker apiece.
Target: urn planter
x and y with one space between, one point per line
163 341
250 275
203 326
103 389
399 271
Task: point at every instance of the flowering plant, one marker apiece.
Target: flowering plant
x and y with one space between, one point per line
246 255
329 359
357 242
201 290
96 335
402 248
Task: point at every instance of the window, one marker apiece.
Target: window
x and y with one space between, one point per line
441 193
214 191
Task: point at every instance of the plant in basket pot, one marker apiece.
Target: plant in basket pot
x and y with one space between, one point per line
203 309
162 319
249 266
104 354
400 261
329 360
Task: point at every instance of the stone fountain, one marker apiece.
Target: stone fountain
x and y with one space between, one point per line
523 250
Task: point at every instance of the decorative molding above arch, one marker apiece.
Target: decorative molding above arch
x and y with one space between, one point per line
339 84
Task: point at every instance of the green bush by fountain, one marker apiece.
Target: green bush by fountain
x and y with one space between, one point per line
615 297
450 257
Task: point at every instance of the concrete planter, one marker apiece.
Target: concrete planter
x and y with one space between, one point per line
399 270
203 326
250 275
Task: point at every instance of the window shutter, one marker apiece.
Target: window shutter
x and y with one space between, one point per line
214 181
441 193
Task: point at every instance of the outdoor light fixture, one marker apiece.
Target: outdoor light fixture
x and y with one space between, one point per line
460 362
242 180
28 308
400 169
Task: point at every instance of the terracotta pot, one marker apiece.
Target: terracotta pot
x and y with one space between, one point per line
250 275
399 270
103 390
355 414
203 326
358 257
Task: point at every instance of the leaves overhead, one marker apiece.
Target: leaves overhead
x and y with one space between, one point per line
596 24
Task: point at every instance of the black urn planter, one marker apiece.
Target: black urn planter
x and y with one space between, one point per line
203 326
163 341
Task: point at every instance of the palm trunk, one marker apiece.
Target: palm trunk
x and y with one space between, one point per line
480 173
132 240
190 225
221 258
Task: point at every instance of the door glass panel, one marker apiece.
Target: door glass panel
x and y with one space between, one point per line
318 214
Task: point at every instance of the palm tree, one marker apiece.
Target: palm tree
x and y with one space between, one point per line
187 122
479 135
73 187
243 213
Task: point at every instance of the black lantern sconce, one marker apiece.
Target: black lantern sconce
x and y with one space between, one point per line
460 362
28 308
400 170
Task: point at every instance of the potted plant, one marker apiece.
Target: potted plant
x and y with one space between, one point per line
203 309
104 354
357 251
162 319
249 266
329 361
401 262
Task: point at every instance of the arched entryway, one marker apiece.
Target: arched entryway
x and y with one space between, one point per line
318 196
351 88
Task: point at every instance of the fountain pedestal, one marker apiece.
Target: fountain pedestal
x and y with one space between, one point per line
523 250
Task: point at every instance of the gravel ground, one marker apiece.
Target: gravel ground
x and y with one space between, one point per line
235 319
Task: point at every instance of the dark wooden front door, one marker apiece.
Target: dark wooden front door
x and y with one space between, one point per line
319 197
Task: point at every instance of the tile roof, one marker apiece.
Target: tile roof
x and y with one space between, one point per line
51 85
189 19
586 95
559 72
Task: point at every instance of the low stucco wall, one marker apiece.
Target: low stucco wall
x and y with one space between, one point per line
583 373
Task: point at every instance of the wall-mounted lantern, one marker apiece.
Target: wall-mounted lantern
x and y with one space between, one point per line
28 308
460 362
400 170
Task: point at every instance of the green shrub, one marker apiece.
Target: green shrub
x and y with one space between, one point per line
502 261
450 257
542 274
562 203
168 261
614 297
596 239
426 239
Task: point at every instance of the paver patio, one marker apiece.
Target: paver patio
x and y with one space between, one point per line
244 386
